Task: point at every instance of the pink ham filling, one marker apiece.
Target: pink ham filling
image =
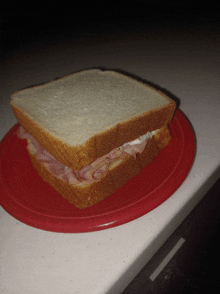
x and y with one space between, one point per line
89 174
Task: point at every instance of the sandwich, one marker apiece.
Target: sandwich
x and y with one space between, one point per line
91 132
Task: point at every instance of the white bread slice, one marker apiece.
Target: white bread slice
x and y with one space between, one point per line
83 196
85 115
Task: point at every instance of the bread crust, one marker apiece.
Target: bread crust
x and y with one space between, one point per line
77 157
82 196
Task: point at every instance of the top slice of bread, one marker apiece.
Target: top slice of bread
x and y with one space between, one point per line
85 115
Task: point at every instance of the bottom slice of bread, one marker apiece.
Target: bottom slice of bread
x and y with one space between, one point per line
82 196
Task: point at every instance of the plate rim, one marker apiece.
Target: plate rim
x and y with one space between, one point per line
80 224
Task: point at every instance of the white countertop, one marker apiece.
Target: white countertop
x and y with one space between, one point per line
187 64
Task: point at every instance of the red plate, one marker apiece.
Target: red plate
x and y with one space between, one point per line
28 198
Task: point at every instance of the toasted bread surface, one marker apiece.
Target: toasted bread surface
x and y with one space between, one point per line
85 115
82 196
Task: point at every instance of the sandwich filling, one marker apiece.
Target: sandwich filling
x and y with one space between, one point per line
91 173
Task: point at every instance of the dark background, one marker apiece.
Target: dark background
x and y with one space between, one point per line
24 24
